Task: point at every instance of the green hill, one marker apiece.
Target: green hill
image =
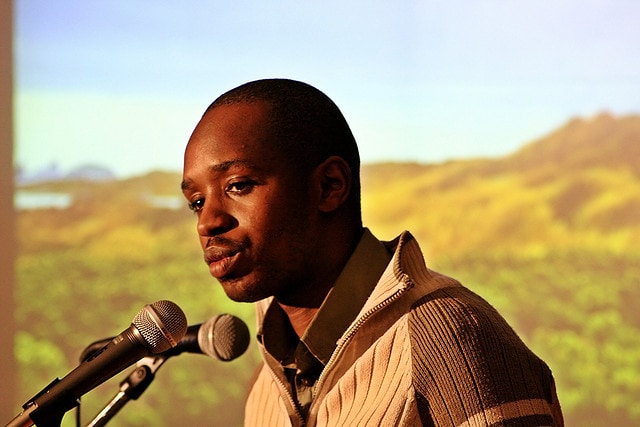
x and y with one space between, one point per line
547 234
578 187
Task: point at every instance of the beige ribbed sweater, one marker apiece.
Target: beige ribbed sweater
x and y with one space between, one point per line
424 350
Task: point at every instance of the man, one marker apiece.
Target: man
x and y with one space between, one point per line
353 331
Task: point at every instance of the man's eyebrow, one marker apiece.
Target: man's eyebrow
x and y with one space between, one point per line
225 166
221 167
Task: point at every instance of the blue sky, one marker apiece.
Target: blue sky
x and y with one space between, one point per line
123 83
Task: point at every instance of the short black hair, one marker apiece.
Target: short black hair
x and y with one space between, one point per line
307 124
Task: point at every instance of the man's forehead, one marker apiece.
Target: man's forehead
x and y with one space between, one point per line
239 126
245 112
235 136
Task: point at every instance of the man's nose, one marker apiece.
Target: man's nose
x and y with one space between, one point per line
214 219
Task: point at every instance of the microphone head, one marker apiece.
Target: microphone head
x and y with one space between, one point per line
223 337
161 324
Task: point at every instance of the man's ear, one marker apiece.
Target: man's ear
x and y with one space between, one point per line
334 177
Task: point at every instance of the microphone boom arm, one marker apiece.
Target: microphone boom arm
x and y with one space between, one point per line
131 387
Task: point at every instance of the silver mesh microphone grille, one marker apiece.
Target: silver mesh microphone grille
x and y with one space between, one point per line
161 324
223 337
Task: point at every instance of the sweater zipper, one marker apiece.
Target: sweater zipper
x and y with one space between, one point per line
354 328
352 331
289 396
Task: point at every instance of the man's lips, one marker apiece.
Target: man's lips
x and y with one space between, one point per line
221 261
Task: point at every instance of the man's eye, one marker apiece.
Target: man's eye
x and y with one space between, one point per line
196 205
240 187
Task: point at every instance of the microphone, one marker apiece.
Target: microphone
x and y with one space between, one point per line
155 329
223 337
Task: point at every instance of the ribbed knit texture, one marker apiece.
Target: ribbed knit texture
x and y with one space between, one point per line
423 351
264 390
470 367
375 389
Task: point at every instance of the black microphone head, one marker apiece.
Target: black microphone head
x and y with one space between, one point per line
161 324
223 337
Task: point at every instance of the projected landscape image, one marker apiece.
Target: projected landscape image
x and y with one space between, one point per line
505 137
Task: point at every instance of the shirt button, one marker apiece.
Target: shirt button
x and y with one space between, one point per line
305 382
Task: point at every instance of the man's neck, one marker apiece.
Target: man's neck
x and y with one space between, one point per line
300 317
302 307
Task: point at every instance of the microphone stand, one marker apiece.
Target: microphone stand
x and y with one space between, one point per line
46 416
131 388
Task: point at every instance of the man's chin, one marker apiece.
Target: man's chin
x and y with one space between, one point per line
238 291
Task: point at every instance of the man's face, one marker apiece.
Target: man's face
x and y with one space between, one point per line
255 214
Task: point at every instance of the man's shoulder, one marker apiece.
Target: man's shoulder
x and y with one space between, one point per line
457 307
458 319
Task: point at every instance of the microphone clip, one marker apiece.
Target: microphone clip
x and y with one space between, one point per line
131 388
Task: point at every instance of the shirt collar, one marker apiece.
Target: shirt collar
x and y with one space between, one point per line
345 300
